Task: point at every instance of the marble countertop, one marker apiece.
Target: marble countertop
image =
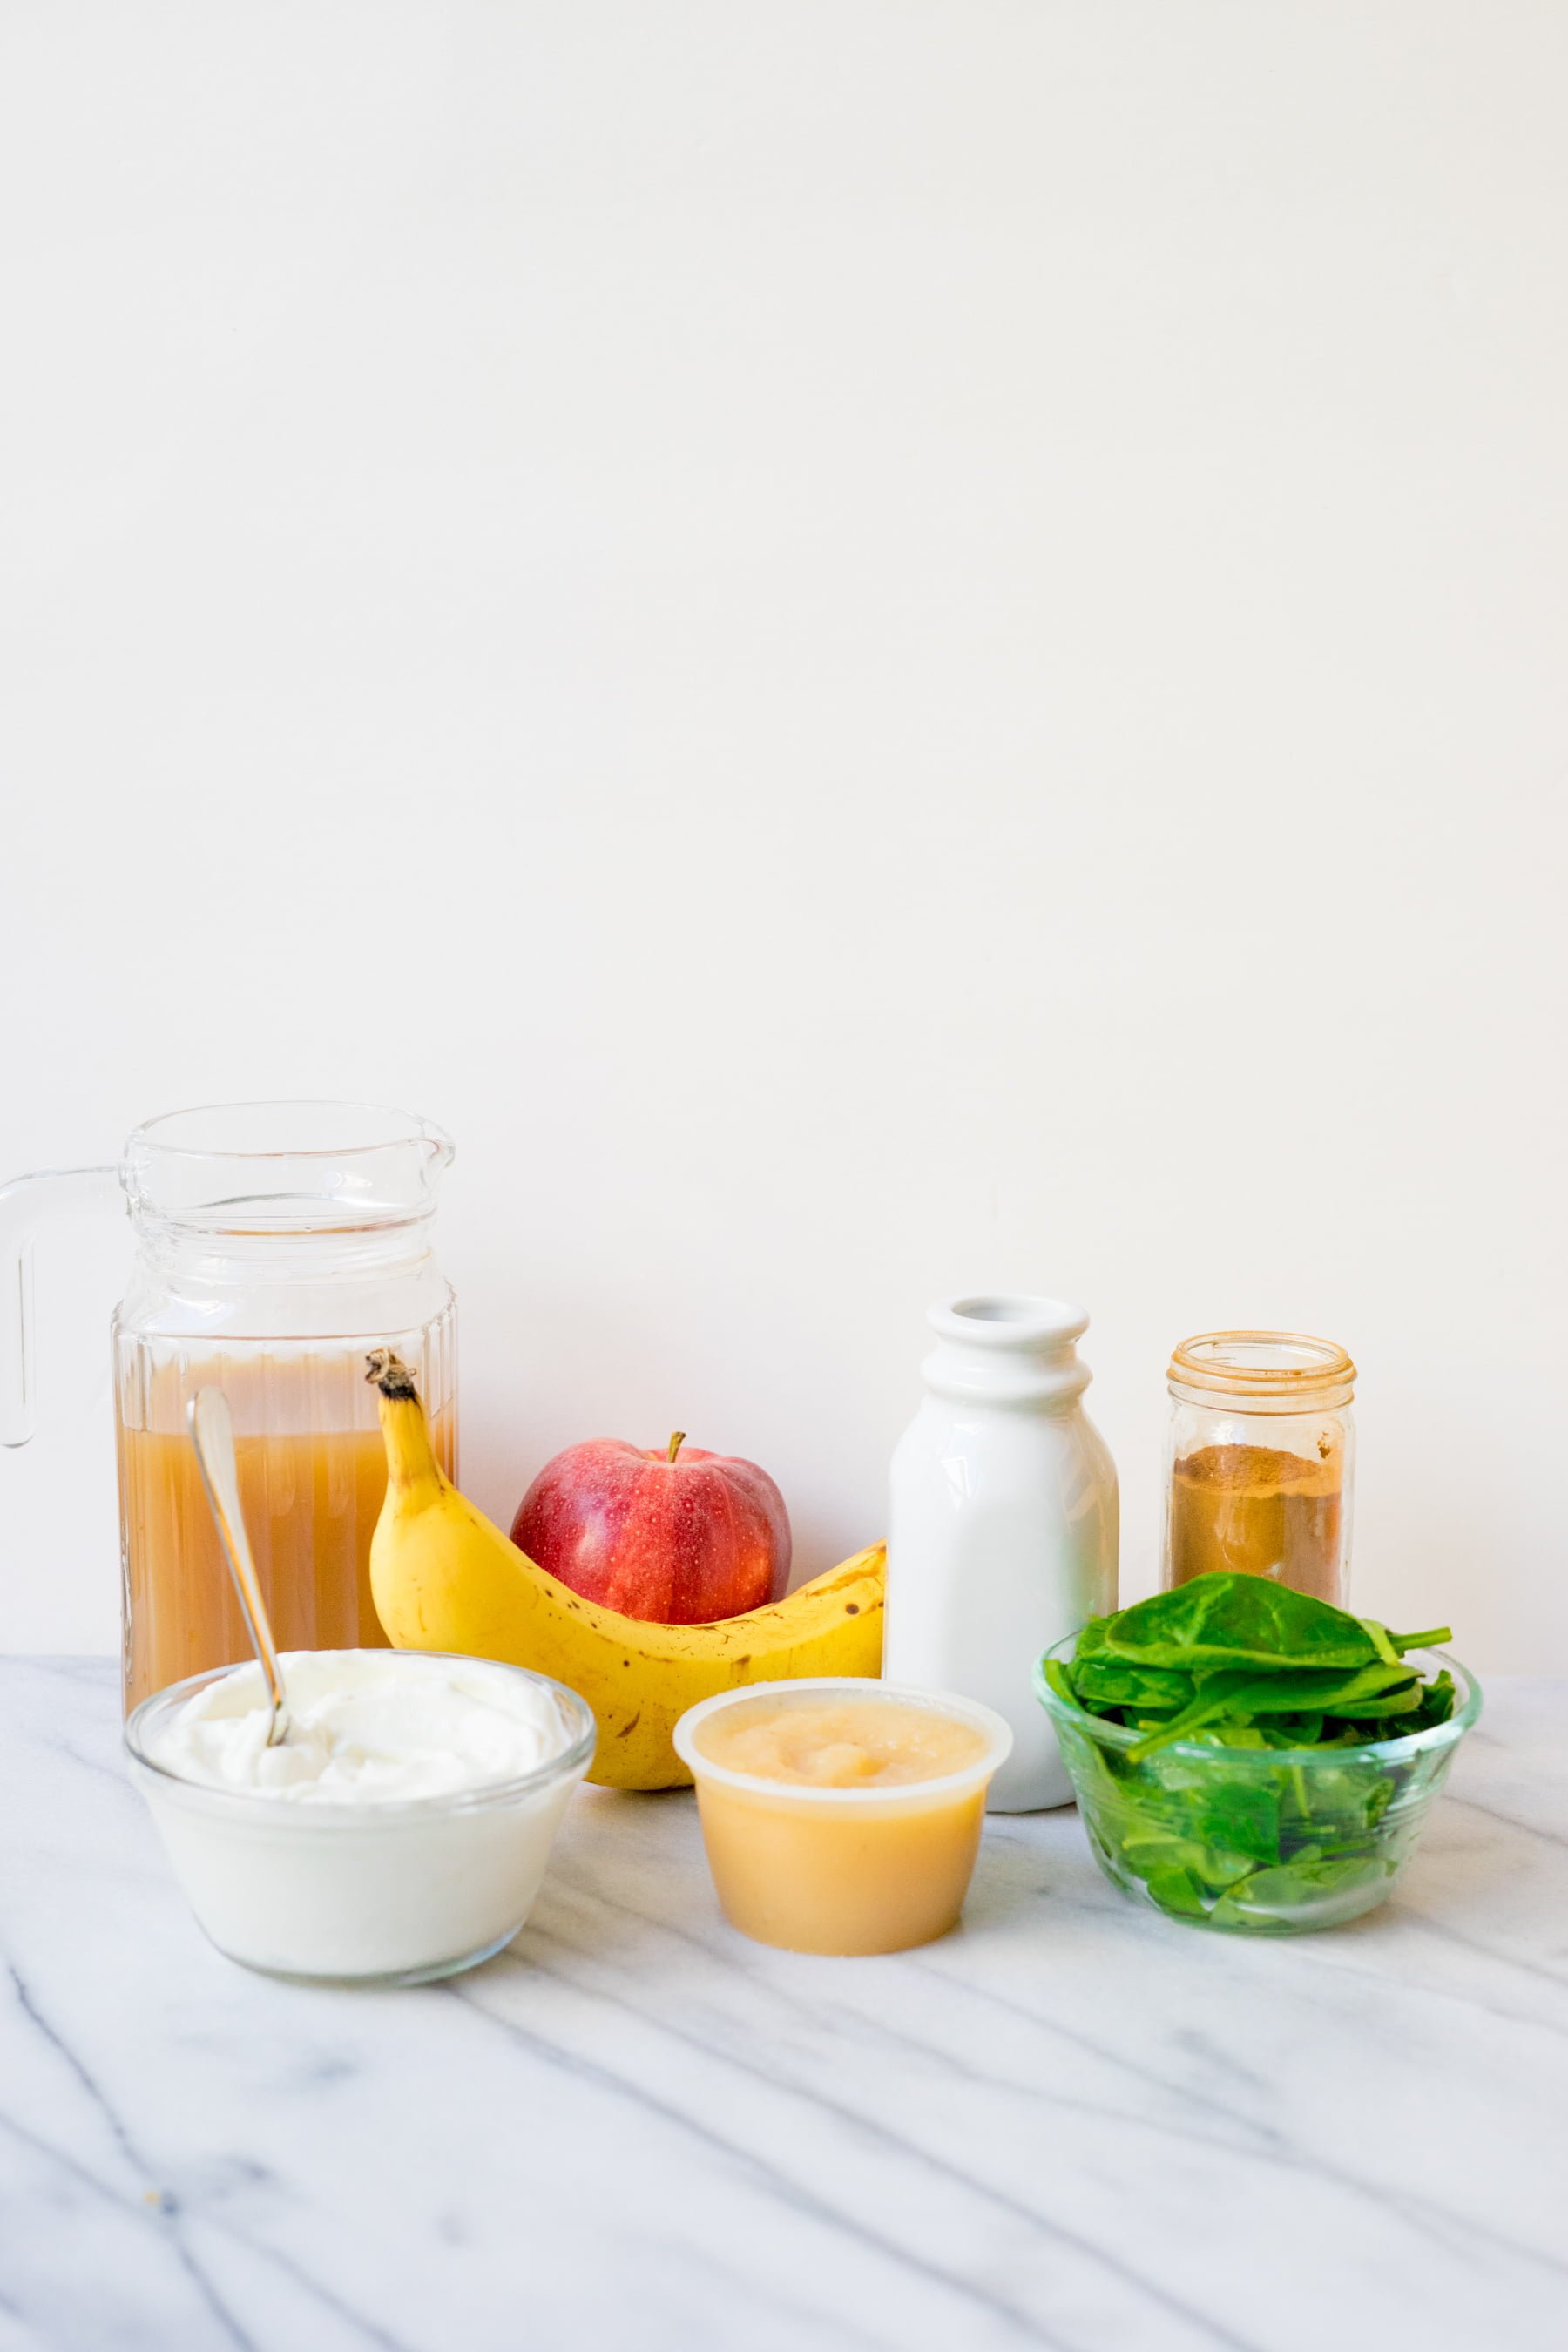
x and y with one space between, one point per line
1070 2125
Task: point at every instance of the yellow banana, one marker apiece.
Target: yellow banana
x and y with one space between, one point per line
445 1578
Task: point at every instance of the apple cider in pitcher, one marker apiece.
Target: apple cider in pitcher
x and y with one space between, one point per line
312 1475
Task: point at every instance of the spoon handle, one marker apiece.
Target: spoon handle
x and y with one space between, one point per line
212 1435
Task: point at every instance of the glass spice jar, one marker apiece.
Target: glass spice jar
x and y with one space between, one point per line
1260 1461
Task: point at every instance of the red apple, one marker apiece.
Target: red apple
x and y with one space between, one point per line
676 1538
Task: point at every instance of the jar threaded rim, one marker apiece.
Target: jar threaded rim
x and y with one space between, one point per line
1274 1366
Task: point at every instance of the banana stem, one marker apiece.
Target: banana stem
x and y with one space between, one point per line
410 1457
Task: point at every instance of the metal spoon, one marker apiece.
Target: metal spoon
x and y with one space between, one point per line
212 1435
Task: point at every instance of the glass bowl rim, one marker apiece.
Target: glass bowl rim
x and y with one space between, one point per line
888 1795
1397 1750
574 1759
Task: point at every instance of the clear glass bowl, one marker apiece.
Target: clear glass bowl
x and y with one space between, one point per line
1263 1841
365 1894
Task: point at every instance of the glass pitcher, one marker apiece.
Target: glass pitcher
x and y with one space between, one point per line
276 1244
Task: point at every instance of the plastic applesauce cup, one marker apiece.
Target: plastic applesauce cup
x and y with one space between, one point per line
877 1867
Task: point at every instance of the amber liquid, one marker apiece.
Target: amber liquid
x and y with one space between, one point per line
311 1500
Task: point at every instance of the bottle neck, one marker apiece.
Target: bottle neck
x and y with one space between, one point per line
1010 1352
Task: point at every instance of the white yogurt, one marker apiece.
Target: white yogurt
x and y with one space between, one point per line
366 1728
402 1828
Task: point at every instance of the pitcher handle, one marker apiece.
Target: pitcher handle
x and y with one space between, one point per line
25 1203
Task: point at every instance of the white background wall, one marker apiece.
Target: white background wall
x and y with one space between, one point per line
879 648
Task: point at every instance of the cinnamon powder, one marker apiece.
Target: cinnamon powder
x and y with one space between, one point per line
1259 1512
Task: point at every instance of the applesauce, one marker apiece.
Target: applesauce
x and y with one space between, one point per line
856 1743
839 1815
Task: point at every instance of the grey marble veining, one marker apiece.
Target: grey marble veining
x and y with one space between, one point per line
1072 2125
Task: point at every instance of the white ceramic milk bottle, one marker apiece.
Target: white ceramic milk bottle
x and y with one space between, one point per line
1003 1529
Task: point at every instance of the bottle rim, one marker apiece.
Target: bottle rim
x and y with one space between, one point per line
1010 1322
1282 1368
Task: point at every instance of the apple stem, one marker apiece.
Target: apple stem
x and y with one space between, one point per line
677 1441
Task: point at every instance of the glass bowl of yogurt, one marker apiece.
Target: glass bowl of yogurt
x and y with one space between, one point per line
399 1833
841 1814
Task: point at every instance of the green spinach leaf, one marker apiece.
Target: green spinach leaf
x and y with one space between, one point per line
1229 1621
1113 1682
